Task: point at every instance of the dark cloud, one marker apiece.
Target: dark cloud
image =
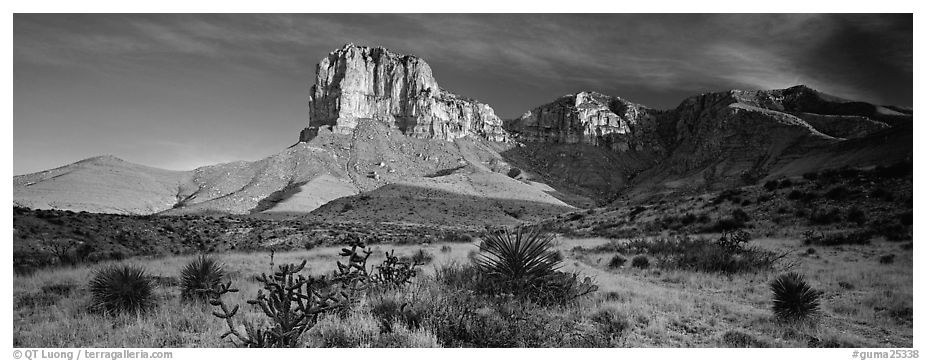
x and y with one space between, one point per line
203 83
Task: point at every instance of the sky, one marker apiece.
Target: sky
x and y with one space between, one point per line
179 91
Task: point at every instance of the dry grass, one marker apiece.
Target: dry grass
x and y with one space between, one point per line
661 308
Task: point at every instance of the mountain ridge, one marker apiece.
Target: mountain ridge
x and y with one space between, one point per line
379 123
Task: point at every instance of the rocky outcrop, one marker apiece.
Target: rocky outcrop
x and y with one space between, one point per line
357 82
590 118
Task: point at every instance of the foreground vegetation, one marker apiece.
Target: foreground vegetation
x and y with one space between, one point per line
461 297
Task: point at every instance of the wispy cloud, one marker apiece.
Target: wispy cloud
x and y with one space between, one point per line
251 71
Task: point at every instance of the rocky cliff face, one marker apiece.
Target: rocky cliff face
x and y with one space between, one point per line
357 82
590 118
709 138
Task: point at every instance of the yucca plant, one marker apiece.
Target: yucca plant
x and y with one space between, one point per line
519 256
200 277
793 299
121 288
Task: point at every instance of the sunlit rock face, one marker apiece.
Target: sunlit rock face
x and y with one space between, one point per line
591 118
357 82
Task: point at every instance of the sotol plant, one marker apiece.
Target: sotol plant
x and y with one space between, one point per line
793 299
121 288
200 278
523 262
518 256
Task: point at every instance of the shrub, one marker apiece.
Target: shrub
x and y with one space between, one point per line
355 330
617 261
823 216
837 239
736 338
729 254
737 220
611 322
793 299
887 259
771 185
882 194
891 231
906 218
856 216
784 183
200 278
390 309
464 319
838 193
810 176
422 257
121 288
798 195
640 261
445 249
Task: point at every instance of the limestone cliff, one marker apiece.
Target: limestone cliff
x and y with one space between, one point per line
590 118
357 82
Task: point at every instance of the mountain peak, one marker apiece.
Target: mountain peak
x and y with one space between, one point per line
358 82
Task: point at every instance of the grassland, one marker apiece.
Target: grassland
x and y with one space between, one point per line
866 303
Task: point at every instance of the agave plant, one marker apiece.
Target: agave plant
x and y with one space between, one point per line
121 288
519 256
793 299
200 277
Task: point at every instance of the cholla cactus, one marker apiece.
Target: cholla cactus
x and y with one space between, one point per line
292 302
394 272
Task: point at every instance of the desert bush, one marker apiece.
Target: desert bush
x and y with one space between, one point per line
617 261
611 322
728 254
736 338
422 257
361 329
784 183
836 239
906 218
446 249
896 170
640 261
887 259
732 195
458 237
389 309
838 193
806 197
891 231
121 288
856 215
793 299
822 216
464 319
811 176
882 194
355 330
771 185
200 278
